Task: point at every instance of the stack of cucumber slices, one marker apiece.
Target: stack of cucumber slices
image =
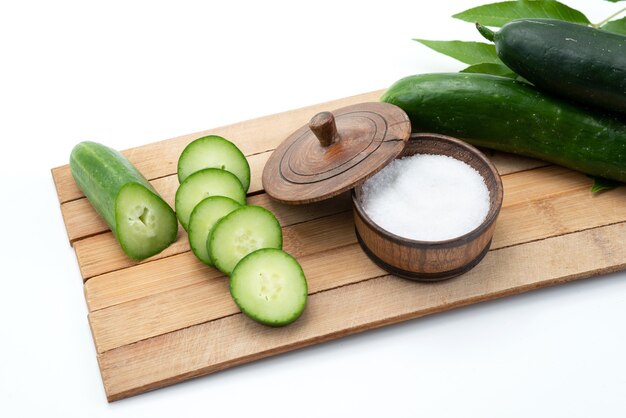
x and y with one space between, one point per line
244 242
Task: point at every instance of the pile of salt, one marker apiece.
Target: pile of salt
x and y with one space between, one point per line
427 197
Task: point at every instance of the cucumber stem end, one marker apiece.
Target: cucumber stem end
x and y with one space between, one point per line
485 32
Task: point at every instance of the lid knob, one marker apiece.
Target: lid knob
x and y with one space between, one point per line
324 127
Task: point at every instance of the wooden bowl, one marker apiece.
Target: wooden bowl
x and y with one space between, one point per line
432 260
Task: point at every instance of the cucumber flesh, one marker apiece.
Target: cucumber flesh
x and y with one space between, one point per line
213 152
138 217
269 286
241 232
202 220
144 222
205 183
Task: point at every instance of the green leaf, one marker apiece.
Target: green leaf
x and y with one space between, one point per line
468 52
616 26
497 14
601 184
490 68
614 1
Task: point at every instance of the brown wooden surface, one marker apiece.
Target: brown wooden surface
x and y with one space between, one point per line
170 318
335 151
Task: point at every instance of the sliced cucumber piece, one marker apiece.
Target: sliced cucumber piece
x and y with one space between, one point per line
140 220
202 219
144 222
269 286
241 232
213 152
205 183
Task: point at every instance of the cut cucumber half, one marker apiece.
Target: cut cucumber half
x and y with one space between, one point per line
213 152
269 286
241 232
139 218
202 219
144 222
205 183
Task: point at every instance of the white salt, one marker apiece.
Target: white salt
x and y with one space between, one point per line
427 197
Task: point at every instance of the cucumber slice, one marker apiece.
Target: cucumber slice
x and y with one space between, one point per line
205 183
144 223
269 286
202 219
241 232
139 218
213 152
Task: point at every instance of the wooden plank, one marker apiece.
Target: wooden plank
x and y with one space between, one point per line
216 345
507 163
561 214
254 136
543 183
209 299
523 222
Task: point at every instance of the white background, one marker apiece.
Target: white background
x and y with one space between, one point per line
128 73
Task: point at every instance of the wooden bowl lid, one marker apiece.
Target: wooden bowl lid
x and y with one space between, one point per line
335 152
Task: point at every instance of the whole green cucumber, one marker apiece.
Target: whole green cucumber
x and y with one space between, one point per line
567 59
508 115
140 219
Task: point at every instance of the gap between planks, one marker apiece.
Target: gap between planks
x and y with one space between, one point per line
211 346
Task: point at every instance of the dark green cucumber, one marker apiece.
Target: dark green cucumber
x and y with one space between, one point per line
567 59
507 115
140 219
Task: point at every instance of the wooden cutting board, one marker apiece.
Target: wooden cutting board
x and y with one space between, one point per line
170 318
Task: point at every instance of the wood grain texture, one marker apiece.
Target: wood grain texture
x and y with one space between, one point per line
335 152
216 345
125 303
209 299
171 318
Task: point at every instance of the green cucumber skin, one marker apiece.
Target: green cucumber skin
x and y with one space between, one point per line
101 172
511 116
578 62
